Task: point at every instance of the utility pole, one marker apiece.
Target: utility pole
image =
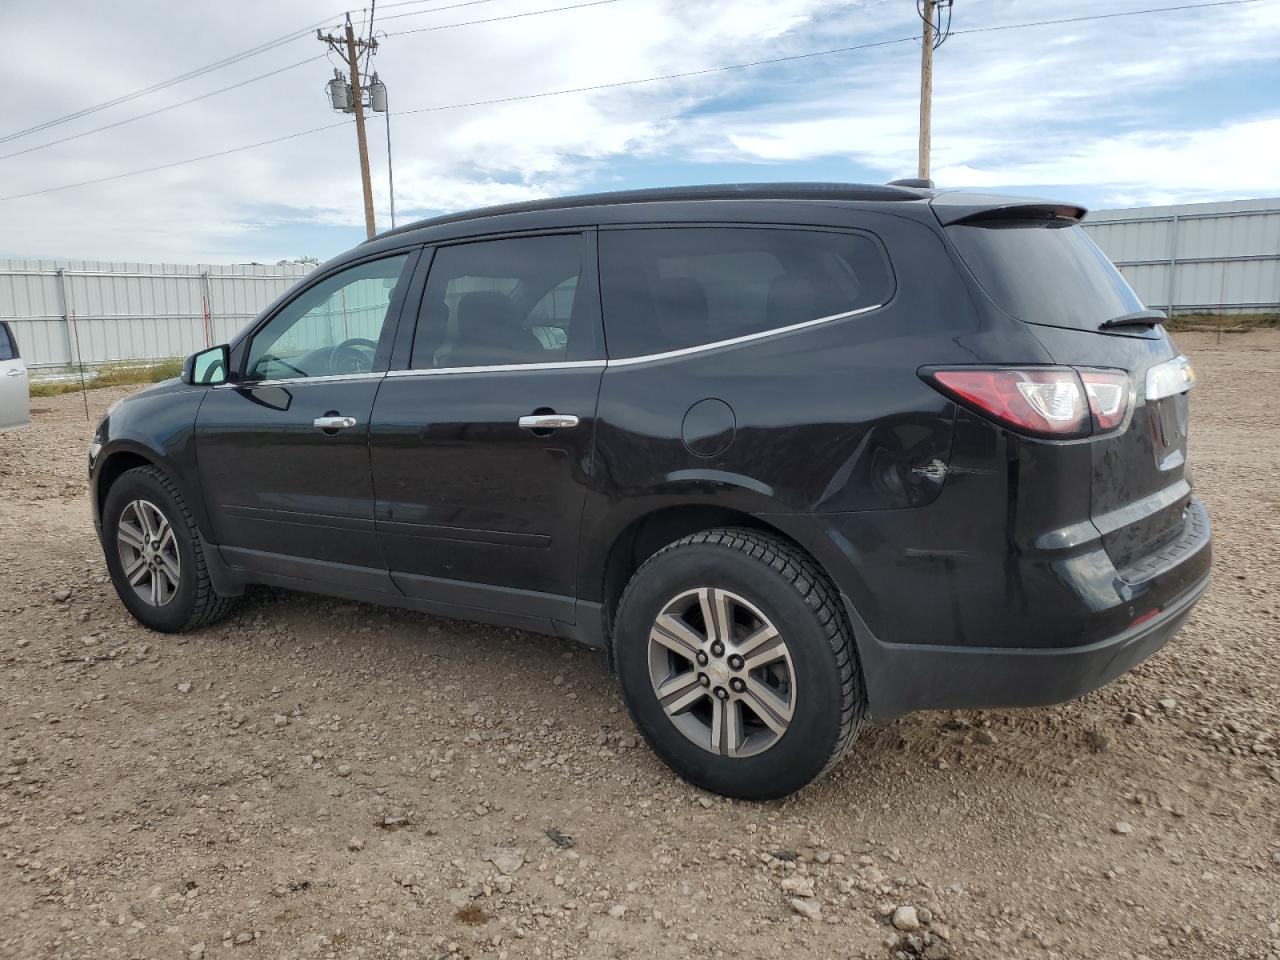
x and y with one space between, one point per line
350 47
937 28
926 88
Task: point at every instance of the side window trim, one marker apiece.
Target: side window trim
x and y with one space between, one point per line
407 323
395 309
745 338
656 356
588 287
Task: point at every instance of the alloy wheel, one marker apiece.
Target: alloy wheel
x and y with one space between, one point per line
722 672
149 552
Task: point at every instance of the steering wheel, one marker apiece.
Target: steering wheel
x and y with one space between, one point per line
347 358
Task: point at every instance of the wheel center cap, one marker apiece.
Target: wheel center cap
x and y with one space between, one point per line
718 671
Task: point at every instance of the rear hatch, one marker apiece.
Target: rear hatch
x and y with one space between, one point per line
1039 266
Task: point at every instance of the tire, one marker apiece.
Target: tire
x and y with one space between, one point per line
146 496
812 691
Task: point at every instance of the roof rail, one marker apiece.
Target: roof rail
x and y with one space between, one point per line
719 191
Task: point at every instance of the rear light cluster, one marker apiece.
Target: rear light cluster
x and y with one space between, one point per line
1061 403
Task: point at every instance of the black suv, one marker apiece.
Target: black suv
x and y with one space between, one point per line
793 455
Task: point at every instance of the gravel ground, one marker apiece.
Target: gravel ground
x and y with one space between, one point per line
318 778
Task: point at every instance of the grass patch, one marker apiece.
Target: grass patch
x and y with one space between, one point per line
110 375
1226 322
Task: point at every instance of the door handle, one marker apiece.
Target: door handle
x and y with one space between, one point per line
333 423
14 372
548 421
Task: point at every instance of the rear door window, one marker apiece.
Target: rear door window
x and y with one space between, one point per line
8 349
1044 272
504 302
671 288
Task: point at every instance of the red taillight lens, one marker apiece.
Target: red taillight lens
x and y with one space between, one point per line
1045 401
1057 402
1108 395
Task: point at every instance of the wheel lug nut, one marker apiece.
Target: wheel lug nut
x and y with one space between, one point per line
704 680
717 649
722 693
736 662
702 658
737 684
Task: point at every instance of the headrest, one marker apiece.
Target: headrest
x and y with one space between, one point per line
486 309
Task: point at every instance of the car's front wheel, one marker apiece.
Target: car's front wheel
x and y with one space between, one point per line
737 664
155 554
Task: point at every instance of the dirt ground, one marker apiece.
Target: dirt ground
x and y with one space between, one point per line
314 778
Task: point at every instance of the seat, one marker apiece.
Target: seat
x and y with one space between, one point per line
490 333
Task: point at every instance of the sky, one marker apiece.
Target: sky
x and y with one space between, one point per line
1169 107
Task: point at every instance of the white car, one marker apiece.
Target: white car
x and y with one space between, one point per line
15 398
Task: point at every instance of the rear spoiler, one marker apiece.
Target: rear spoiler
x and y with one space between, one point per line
972 208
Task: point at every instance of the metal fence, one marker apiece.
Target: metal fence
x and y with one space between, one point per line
69 312
1211 257
1197 257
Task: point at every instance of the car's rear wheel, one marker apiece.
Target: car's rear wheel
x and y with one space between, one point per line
155 555
737 663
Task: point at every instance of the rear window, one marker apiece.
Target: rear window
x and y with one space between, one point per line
671 288
1044 272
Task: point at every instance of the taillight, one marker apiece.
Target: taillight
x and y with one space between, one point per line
1108 397
1056 402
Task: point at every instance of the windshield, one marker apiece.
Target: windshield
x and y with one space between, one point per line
1044 272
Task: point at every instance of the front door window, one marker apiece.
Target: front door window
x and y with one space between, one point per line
332 328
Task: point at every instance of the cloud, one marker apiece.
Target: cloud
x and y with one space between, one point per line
1121 110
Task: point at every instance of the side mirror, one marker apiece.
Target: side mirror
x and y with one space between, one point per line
208 368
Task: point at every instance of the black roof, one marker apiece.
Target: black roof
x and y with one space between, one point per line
714 191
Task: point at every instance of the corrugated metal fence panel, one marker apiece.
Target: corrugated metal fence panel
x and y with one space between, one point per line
131 311
1127 242
1197 256
34 296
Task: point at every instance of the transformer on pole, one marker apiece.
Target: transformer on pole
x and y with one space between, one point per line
347 96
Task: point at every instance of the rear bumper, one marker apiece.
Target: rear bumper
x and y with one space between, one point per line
901 678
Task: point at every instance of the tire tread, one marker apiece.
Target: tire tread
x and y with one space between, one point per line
209 606
816 590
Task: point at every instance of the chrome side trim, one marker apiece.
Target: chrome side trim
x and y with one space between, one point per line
644 358
287 381
499 368
745 338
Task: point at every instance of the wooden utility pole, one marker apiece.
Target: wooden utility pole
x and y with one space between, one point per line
926 88
358 102
352 50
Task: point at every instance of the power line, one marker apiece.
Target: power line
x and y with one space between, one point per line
802 56
666 76
178 163
477 103
508 16
155 87
218 64
1105 16
263 76
172 106
418 13
624 83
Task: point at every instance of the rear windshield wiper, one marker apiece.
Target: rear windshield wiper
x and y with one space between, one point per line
1140 318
